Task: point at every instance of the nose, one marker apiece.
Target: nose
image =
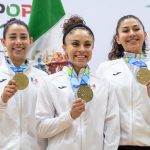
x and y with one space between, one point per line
81 48
18 40
132 33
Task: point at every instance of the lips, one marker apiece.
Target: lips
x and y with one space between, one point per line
81 56
133 41
18 48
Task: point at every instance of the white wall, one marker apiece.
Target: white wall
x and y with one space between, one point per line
101 16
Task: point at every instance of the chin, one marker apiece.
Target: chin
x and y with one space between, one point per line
136 51
82 65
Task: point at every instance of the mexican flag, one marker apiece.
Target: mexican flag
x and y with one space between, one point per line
45 26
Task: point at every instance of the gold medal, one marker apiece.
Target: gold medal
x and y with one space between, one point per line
22 81
85 93
143 75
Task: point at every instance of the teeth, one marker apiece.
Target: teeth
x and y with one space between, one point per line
132 41
18 49
80 56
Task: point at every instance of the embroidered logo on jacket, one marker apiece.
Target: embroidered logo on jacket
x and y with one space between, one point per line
62 87
1 80
116 73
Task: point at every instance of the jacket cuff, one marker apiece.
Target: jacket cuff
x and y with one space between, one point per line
69 119
2 104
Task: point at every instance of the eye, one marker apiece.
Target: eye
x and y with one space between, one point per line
75 44
12 37
125 30
23 36
88 45
136 29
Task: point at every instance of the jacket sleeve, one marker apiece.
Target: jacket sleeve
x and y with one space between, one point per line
48 125
112 122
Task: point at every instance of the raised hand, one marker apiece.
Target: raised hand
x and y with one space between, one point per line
9 90
77 108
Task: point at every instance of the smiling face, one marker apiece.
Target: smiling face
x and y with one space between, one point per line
78 45
17 43
131 35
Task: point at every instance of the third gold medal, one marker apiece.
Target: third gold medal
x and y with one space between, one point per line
143 75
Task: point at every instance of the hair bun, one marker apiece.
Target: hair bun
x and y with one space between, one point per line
72 21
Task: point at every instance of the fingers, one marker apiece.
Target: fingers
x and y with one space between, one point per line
78 105
77 108
11 82
9 90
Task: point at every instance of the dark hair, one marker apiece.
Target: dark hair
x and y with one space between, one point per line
11 22
73 23
117 49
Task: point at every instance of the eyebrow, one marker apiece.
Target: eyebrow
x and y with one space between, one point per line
132 26
16 34
79 41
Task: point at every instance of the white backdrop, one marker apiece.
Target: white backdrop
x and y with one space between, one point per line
101 16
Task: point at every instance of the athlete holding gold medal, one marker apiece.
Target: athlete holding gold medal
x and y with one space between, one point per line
76 109
129 72
19 82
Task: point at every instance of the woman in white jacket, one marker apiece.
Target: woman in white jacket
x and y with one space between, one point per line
18 95
127 72
63 116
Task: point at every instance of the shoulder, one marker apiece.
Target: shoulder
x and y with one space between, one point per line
38 71
107 65
100 80
55 77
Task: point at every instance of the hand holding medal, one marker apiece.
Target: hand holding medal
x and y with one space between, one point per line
9 90
78 107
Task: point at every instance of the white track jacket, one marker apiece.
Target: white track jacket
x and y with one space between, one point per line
96 129
133 101
17 119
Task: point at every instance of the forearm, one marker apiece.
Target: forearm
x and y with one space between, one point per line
50 127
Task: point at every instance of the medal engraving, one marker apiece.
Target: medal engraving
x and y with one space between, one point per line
85 93
22 81
143 75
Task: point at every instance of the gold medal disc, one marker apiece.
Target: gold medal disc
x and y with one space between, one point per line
143 75
22 81
85 93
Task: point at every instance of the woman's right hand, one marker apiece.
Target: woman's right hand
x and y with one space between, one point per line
78 107
9 90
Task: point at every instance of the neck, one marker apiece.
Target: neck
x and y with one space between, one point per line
17 63
77 70
134 52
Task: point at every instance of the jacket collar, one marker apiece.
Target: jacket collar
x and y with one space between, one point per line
5 69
